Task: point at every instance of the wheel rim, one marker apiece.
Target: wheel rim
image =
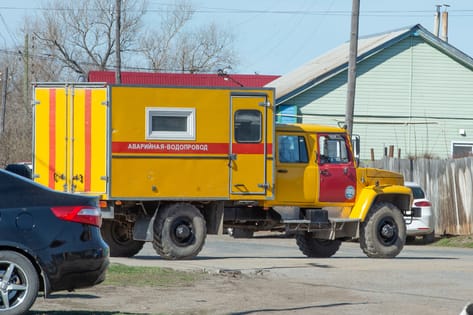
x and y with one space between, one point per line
13 285
182 232
387 231
120 233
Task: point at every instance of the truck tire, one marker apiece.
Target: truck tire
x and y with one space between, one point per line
117 235
383 233
179 232
315 247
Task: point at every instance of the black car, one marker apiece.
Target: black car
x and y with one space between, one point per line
49 241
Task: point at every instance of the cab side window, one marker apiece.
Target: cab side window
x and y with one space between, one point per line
333 149
292 149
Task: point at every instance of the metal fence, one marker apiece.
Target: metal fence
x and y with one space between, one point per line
448 184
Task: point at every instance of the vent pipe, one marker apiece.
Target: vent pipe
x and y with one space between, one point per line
437 20
445 23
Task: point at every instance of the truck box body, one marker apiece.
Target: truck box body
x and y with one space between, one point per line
154 143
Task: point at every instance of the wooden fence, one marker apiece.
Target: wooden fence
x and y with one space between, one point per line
448 184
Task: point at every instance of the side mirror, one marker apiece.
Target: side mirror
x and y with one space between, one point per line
355 140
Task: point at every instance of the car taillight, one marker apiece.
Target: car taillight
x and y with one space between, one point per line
422 204
81 214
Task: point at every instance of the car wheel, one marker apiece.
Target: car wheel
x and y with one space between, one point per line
316 248
383 233
179 232
118 236
19 283
429 238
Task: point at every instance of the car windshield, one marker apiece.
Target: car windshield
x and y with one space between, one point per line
417 192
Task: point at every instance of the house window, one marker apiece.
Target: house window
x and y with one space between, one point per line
462 149
248 126
163 123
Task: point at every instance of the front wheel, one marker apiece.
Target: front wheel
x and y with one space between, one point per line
383 233
19 283
179 231
315 247
118 236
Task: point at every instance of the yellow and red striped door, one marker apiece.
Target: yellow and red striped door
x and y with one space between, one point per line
70 137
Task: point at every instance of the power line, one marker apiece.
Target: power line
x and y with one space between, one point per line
210 10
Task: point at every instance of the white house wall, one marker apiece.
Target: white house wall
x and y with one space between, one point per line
410 95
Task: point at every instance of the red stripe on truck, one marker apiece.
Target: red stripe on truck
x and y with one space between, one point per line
188 148
88 139
52 137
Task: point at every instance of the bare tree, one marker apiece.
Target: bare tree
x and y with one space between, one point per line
73 37
81 34
207 49
174 48
15 139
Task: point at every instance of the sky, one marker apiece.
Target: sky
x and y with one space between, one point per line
278 36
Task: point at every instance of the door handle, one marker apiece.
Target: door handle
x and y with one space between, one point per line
282 171
324 172
231 157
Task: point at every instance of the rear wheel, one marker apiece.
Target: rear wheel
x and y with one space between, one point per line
429 238
315 247
383 233
118 236
179 231
19 283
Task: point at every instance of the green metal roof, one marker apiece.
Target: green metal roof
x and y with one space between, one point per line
335 61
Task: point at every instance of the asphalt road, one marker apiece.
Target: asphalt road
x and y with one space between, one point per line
421 280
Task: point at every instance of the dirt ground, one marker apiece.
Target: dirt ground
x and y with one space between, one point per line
219 294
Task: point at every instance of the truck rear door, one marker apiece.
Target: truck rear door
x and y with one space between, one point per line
70 138
250 146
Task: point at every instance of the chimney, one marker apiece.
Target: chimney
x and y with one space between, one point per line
437 21
445 23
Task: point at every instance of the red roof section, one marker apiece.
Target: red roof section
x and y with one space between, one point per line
184 79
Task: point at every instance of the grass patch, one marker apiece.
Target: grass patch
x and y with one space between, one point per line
464 241
124 275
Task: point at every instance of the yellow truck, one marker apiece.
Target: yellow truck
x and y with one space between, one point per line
173 164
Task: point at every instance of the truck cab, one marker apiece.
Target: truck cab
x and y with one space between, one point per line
314 167
323 197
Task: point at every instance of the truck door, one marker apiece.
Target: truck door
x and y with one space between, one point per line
69 134
337 180
295 170
250 146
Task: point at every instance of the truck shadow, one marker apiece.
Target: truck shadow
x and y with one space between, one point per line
293 309
78 313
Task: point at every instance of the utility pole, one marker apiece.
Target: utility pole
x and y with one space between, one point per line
351 82
4 98
118 71
26 73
